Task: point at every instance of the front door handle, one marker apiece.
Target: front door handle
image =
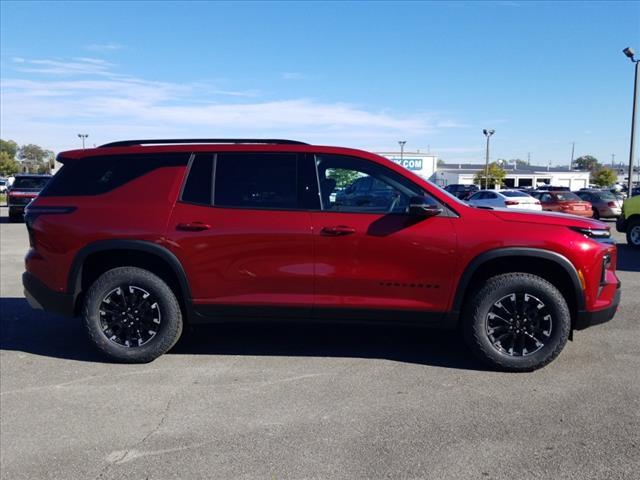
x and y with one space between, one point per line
337 231
193 227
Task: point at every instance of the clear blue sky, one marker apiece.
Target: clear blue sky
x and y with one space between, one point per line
357 74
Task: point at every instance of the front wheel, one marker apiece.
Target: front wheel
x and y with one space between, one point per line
132 315
633 233
517 322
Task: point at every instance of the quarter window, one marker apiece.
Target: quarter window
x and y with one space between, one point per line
197 188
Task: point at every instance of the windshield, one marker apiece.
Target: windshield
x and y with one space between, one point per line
514 194
568 196
37 183
606 195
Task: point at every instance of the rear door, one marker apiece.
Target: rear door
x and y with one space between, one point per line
246 240
373 257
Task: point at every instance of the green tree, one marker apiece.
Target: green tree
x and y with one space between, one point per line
9 147
343 178
8 166
495 177
587 162
604 177
440 162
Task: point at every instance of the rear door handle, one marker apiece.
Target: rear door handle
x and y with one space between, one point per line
193 227
337 231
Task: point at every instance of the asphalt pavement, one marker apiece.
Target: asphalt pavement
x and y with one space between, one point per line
304 402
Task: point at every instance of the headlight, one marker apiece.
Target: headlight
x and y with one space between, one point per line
594 233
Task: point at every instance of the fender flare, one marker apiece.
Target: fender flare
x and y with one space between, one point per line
74 278
473 266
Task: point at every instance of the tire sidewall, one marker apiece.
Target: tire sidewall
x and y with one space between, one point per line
634 224
499 287
171 319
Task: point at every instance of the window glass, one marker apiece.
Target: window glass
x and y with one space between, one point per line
101 174
514 193
35 183
349 184
567 196
546 198
490 195
197 188
256 180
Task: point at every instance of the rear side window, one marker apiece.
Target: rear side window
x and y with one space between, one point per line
514 194
256 180
197 188
97 175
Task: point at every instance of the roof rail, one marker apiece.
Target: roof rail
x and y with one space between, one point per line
267 141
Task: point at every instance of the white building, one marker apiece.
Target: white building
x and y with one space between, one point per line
423 164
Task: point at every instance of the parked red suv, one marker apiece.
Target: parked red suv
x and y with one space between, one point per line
141 237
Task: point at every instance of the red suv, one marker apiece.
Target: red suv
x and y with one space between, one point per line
142 237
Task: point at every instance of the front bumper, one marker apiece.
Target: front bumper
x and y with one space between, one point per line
42 297
587 319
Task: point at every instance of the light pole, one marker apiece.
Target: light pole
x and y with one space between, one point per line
83 136
402 143
630 54
573 148
487 133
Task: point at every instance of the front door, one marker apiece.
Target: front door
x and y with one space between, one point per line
371 256
246 244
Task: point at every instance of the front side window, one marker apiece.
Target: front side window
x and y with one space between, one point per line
349 184
256 180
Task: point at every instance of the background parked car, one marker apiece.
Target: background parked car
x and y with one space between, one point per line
24 189
3 185
629 221
461 191
504 199
604 204
563 202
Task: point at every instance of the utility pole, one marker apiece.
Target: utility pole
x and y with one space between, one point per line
487 133
528 158
630 54
613 159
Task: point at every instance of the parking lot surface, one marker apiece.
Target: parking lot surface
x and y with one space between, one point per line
292 402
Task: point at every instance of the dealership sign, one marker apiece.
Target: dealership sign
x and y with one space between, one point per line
409 163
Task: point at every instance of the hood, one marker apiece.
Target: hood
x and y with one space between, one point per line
548 218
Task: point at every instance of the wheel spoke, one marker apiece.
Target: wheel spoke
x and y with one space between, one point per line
129 316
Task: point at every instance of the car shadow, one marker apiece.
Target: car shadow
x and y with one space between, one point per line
39 333
628 258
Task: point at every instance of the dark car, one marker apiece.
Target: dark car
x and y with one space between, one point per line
24 189
140 238
463 192
553 188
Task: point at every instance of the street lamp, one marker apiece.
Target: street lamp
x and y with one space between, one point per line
487 133
402 143
630 55
83 136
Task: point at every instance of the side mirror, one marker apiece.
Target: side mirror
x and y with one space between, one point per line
418 207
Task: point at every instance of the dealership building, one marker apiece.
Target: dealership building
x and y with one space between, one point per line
426 165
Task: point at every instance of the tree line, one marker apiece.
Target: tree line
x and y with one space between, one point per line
28 158
600 175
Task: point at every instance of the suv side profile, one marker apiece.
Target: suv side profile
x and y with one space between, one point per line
142 237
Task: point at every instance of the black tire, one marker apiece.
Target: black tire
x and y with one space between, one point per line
108 332
14 217
596 213
552 333
633 234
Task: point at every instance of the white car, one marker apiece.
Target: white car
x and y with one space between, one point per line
504 199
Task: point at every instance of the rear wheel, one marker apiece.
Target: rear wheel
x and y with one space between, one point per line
633 233
132 315
517 322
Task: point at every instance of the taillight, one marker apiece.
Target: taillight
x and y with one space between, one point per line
511 202
31 213
537 203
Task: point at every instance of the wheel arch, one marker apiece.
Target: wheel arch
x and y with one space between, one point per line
552 266
95 258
